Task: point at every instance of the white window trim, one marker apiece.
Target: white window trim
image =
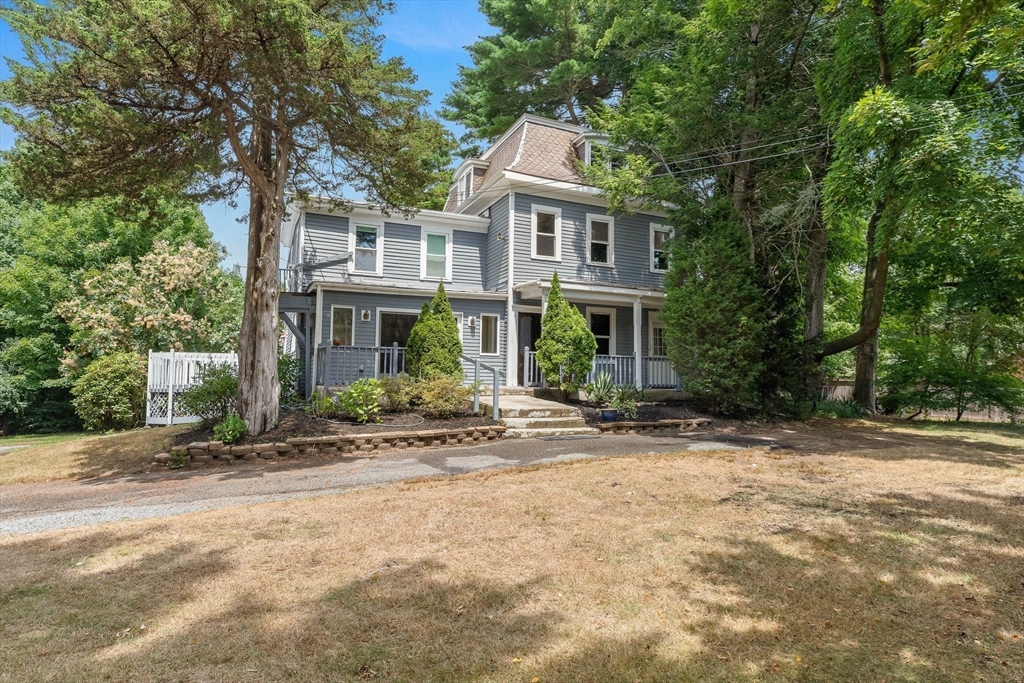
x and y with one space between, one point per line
657 227
497 329
534 210
352 226
351 308
449 239
459 318
611 337
591 217
652 320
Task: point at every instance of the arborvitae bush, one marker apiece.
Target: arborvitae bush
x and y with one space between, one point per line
434 346
566 345
714 321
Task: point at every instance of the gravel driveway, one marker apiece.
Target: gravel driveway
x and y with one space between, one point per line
29 508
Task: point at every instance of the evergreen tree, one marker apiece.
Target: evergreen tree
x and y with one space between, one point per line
714 321
566 348
434 346
276 96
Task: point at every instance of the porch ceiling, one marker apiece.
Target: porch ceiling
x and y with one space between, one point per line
592 292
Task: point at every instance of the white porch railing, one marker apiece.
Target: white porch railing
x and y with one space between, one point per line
170 373
342 365
622 369
531 371
659 373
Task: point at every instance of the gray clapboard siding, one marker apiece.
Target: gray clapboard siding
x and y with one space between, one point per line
496 256
325 238
401 251
632 246
365 332
468 259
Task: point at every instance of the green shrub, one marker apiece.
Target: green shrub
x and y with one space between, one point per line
111 393
442 396
434 345
847 408
288 370
213 399
231 429
322 406
625 404
362 400
566 345
397 393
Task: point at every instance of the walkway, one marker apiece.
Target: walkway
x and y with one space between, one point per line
28 508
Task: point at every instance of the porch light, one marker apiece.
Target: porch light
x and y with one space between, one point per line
472 321
364 315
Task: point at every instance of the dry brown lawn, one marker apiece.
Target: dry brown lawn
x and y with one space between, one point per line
82 457
892 563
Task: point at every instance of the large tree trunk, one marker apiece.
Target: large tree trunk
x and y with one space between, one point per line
864 379
743 170
814 306
259 391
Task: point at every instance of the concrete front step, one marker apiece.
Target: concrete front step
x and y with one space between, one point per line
539 433
544 422
516 406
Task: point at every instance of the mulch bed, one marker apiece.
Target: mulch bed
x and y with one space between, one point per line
296 424
648 412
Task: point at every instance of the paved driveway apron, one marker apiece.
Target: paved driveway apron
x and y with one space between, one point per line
28 508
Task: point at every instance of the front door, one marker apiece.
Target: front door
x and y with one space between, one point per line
529 333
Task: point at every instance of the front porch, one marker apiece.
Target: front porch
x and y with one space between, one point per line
624 321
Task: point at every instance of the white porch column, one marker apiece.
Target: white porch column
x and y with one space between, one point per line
512 322
543 301
638 352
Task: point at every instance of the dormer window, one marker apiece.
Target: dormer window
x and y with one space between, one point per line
465 187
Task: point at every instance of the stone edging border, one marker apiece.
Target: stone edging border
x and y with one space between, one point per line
649 427
219 453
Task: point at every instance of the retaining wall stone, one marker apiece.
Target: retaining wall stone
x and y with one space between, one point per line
353 445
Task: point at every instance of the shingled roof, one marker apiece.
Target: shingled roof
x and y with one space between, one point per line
535 147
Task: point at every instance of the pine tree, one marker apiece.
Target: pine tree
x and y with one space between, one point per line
566 348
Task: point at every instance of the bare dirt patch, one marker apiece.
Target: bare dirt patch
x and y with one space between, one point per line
901 560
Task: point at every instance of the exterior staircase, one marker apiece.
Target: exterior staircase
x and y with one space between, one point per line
528 416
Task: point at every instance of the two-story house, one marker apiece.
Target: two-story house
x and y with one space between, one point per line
514 216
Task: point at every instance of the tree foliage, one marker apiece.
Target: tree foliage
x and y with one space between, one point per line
566 347
210 97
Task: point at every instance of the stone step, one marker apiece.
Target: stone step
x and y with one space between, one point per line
544 422
560 431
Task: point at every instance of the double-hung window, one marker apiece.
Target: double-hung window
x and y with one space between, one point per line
657 336
659 248
488 335
367 252
602 326
600 240
436 254
547 229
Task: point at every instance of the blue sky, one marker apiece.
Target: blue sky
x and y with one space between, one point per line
430 35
